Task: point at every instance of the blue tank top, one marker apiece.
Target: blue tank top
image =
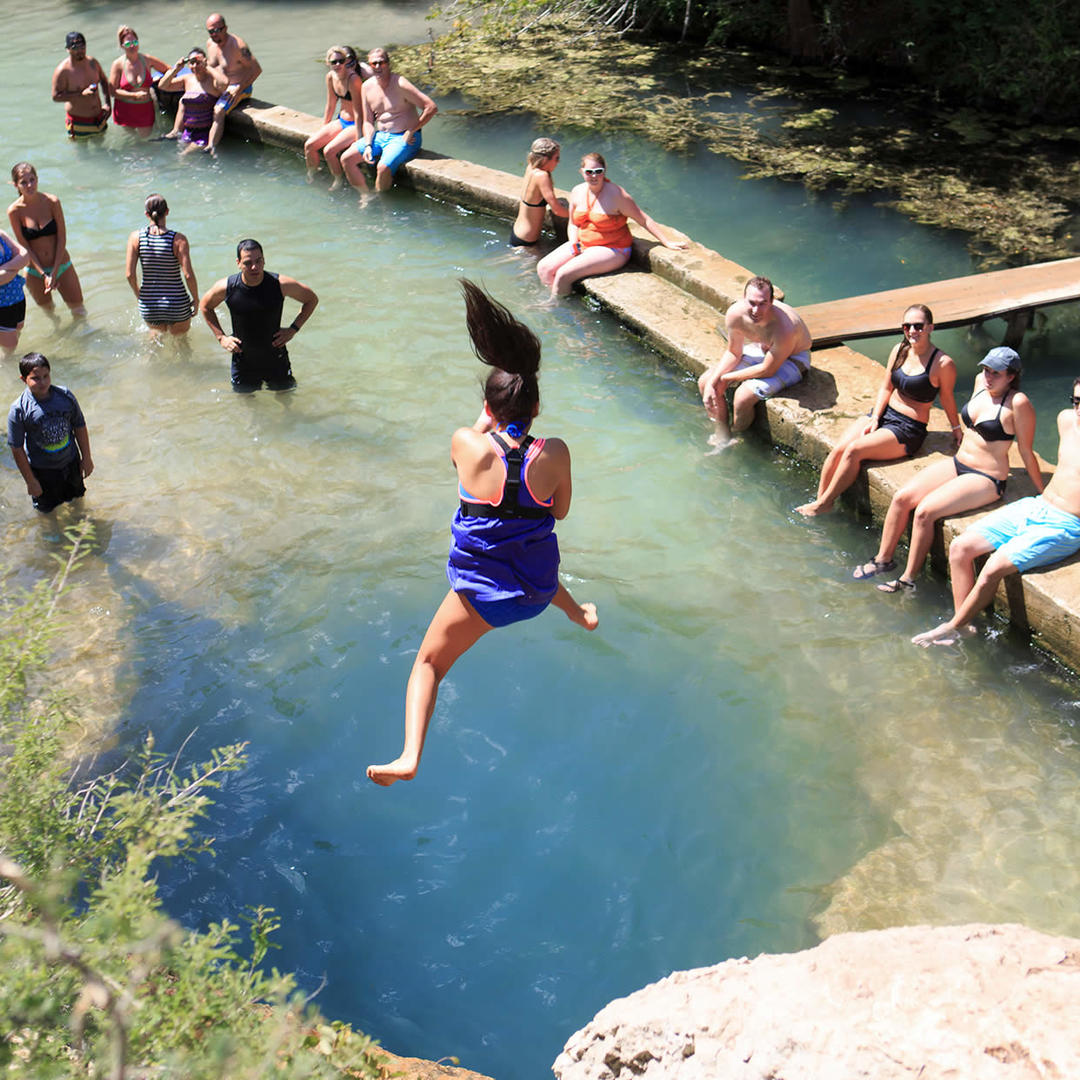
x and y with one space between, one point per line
12 292
506 550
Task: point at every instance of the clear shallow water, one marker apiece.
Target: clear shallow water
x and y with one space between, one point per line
745 755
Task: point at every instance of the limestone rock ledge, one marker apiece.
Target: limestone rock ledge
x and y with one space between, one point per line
963 1002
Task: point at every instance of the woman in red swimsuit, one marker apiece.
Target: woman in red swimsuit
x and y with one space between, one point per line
130 79
599 239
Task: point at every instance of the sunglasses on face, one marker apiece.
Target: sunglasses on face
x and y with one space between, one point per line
593 172
1074 401
913 326
378 63
129 44
337 63
215 29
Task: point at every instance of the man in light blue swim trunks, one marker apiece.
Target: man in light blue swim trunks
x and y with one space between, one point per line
231 56
392 114
768 349
1023 535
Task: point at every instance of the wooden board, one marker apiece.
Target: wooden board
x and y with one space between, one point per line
955 302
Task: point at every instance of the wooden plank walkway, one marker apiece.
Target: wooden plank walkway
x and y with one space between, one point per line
955 302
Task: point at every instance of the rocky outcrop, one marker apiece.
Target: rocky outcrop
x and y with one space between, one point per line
963 1002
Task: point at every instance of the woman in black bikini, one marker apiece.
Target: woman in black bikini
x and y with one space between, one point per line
915 374
344 82
37 220
537 194
997 414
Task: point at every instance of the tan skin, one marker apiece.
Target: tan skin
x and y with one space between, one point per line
35 209
182 251
972 592
79 82
456 626
39 383
536 184
333 139
201 78
9 270
938 491
133 65
865 440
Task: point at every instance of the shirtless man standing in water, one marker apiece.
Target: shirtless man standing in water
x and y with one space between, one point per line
389 132
1022 535
76 82
232 57
768 348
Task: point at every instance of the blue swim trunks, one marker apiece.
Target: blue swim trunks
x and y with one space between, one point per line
504 612
346 123
1031 533
228 101
391 148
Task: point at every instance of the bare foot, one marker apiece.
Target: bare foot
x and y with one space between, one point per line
392 771
585 616
720 443
171 135
945 634
310 177
337 182
812 509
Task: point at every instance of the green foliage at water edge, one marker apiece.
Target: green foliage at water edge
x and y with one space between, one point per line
97 980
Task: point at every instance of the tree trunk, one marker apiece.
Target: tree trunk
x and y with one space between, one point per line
802 36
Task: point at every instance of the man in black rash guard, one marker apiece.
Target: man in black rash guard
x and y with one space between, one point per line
258 340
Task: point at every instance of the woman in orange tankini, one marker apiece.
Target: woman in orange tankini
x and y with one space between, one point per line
599 239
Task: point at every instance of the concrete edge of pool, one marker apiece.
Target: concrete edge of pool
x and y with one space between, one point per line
674 300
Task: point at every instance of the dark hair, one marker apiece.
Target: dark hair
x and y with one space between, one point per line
19 167
759 282
905 345
351 59
156 208
197 49
511 349
247 245
32 360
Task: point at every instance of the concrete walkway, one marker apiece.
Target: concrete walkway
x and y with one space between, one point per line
675 301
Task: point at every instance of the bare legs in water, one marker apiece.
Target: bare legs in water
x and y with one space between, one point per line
454 629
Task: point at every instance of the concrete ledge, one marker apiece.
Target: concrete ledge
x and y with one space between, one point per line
675 300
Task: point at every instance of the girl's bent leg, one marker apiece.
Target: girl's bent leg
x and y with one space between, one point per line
591 261
70 288
552 261
454 629
583 614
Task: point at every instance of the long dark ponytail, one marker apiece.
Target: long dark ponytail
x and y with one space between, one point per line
510 349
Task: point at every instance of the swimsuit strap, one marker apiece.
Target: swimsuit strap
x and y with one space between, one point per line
509 506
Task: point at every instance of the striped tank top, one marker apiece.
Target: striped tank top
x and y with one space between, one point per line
162 296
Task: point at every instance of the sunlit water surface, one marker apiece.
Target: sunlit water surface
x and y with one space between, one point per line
747 753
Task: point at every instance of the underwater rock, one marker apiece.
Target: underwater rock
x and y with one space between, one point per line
970 1002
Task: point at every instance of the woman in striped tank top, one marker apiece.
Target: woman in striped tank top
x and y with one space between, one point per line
164 257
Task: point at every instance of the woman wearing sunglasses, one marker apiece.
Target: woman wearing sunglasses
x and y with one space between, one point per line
344 82
599 239
916 373
202 85
130 79
997 415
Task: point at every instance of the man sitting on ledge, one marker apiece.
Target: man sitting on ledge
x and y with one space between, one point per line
1022 535
768 348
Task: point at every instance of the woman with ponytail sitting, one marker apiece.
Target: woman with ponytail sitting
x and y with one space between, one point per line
504 557
916 373
165 257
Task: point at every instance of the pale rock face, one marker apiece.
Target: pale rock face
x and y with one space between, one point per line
939 1003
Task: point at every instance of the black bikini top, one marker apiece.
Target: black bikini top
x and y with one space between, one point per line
510 505
48 229
347 96
990 430
916 387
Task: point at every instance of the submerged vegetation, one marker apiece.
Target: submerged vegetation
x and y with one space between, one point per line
97 980
1015 188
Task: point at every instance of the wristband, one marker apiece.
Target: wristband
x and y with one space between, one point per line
294 328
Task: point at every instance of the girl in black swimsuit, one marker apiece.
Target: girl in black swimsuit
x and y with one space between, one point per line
537 193
996 415
915 374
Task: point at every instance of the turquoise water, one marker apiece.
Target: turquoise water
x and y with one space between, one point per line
747 754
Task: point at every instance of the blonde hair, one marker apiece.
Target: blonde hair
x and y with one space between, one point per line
542 149
122 32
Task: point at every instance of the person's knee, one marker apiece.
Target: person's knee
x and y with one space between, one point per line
963 550
924 517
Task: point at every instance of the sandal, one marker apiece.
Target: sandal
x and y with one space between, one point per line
899 585
873 567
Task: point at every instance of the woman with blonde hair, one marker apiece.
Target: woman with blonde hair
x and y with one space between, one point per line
344 82
537 194
131 80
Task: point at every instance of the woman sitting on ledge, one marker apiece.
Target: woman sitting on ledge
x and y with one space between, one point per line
997 414
915 374
599 239
537 194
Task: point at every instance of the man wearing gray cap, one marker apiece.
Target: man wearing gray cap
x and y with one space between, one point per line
77 82
1022 535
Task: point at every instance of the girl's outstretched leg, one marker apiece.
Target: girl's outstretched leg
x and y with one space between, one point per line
582 614
455 628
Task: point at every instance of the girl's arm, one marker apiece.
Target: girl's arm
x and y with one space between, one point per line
1024 421
154 64
947 390
61 232
633 211
171 81
547 189
885 392
19 258
331 98
130 263
20 238
182 251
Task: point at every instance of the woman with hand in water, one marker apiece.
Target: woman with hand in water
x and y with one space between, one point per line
504 557
916 373
37 220
344 83
537 194
598 238
997 415
131 78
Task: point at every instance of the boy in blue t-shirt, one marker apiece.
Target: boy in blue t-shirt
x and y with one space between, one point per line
48 438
